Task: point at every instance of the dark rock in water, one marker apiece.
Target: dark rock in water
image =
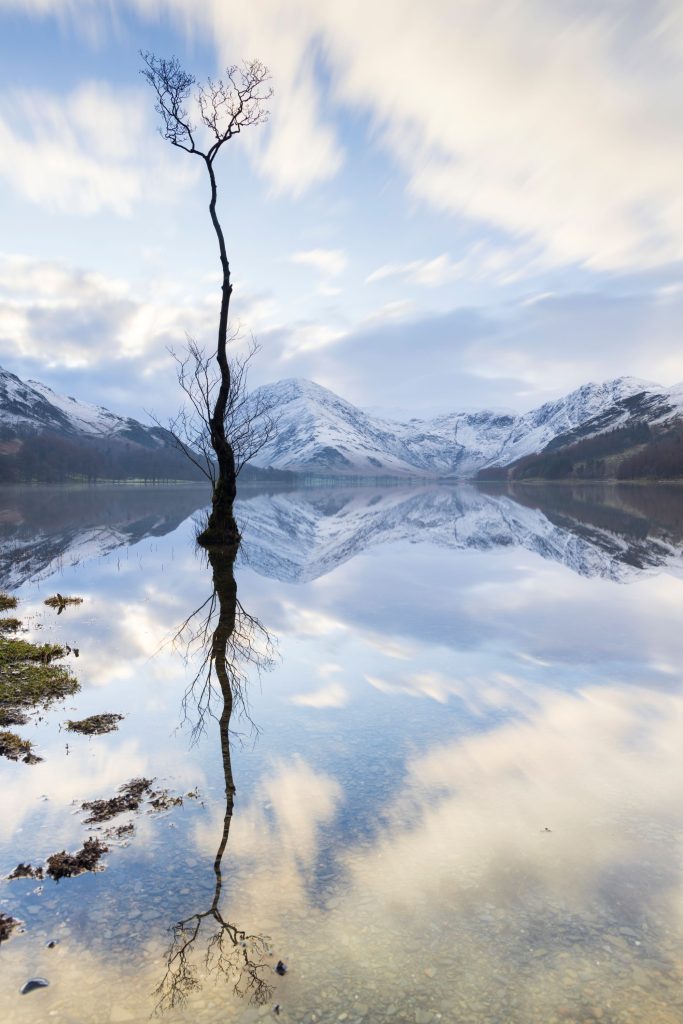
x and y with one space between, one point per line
32 984
280 968
52 943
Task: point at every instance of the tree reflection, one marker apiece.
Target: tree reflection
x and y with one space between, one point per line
227 642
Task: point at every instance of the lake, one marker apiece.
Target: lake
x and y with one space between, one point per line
448 787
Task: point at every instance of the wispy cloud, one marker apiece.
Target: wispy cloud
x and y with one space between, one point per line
331 262
530 130
334 695
430 273
82 153
500 264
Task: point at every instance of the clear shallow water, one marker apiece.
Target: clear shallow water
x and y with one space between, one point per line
456 672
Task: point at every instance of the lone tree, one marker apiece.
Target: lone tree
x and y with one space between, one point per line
224 108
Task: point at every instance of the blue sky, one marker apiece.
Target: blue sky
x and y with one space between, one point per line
452 205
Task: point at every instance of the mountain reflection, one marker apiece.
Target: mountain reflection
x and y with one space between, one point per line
597 530
44 527
227 642
606 531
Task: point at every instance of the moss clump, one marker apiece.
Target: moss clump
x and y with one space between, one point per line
11 716
16 749
129 798
7 926
65 865
120 831
162 800
95 725
26 871
14 650
60 602
28 680
27 676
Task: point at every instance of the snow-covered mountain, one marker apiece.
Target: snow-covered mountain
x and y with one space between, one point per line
28 407
320 433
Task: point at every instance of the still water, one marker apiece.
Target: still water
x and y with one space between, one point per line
449 788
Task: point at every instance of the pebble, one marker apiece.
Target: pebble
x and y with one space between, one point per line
32 984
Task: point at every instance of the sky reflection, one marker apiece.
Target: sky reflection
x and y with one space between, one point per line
432 710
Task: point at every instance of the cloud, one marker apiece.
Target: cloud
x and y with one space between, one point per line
557 124
334 695
431 273
95 336
65 316
540 127
482 261
517 356
84 152
329 262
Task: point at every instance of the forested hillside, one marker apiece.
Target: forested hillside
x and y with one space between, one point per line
636 451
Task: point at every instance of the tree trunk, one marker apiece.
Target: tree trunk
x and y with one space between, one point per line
225 586
221 528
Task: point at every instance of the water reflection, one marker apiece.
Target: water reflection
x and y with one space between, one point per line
437 706
608 531
228 643
43 528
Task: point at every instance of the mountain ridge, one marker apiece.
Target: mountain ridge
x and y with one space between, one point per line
321 434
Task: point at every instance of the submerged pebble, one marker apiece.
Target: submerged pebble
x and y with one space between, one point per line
32 984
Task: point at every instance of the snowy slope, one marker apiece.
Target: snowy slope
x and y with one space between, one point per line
28 407
320 433
323 434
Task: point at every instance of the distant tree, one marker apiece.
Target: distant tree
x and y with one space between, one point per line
224 108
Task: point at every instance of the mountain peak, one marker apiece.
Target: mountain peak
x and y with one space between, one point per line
321 433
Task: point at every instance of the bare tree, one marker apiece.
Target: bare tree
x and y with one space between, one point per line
250 419
224 107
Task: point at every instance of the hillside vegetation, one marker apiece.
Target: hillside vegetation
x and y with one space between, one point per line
636 451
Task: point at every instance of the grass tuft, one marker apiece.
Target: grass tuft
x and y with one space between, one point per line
16 749
60 602
96 725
